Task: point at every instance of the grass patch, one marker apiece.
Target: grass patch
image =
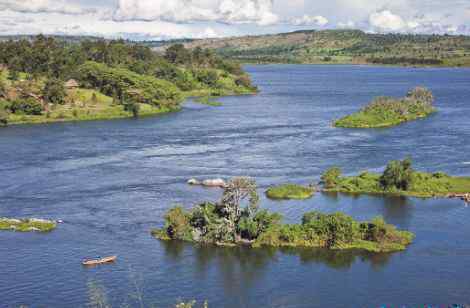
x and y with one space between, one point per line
386 111
290 191
27 225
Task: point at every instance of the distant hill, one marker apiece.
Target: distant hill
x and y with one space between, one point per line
343 46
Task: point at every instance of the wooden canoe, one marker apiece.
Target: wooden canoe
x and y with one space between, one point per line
100 261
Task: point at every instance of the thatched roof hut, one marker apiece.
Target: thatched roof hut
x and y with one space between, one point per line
72 84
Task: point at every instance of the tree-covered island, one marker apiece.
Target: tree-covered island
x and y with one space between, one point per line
50 80
389 111
230 222
399 178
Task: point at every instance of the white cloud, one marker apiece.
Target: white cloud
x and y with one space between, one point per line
247 11
186 11
43 6
307 20
387 21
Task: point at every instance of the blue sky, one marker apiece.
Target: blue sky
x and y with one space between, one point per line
162 19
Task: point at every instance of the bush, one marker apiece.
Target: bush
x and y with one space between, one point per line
290 191
177 223
54 91
207 77
28 106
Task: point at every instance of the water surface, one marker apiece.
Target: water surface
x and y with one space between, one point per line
112 181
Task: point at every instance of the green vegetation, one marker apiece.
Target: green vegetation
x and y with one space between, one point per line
290 191
399 178
48 80
388 111
227 222
344 47
206 100
27 225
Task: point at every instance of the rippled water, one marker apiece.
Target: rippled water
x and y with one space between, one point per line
112 181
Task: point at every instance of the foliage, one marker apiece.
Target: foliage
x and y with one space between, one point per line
400 178
330 177
136 88
387 111
397 175
290 191
28 106
141 81
54 91
3 116
228 223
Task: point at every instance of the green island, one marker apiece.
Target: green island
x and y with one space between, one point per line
228 223
343 46
27 225
399 178
290 191
389 111
44 79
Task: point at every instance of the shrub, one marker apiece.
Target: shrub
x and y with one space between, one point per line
177 223
28 106
3 117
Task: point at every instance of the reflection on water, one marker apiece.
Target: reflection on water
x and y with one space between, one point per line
249 262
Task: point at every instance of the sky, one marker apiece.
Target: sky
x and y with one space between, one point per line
168 19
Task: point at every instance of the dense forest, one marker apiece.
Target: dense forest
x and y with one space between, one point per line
45 79
344 46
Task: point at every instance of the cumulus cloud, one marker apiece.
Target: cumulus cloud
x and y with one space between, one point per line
387 21
43 6
307 20
346 25
186 11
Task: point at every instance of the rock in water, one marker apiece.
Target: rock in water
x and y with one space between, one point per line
215 183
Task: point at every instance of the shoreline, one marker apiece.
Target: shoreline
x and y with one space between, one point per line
157 112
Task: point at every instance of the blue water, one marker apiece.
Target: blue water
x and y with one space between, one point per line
112 181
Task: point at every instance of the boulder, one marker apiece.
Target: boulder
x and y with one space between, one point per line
194 182
214 183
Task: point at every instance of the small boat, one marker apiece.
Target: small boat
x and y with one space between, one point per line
99 261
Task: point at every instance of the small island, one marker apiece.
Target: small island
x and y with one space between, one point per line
27 225
399 178
389 111
290 191
228 223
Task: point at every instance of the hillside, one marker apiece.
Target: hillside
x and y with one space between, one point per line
343 46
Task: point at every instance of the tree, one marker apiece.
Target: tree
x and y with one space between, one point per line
397 175
177 54
54 91
237 190
330 177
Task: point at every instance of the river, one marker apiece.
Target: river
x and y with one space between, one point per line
112 181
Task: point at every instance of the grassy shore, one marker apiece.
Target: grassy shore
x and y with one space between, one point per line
27 225
290 191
